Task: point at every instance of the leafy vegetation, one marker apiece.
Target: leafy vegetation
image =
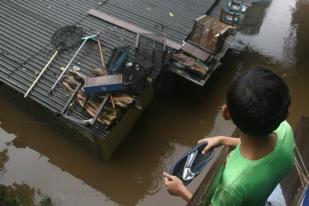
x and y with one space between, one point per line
21 195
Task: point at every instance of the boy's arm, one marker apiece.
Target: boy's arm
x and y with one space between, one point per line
175 187
213 142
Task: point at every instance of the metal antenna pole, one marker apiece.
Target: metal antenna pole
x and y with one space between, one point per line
68 65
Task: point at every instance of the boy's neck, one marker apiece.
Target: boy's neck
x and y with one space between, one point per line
254 148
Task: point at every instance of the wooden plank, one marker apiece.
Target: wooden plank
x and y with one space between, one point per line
195 51
127 26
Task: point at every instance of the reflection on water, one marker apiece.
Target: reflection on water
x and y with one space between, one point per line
17 194
300 23
276 35
254 17
25 166
180 115
282 44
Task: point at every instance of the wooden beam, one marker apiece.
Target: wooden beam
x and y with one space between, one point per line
195 51
127 26
291 185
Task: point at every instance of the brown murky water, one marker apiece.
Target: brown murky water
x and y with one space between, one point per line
181 114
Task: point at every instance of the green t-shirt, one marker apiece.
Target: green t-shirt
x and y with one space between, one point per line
250 182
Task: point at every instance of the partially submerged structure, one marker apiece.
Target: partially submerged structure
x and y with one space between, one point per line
103 110
200 54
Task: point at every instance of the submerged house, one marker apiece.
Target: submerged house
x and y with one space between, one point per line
79 86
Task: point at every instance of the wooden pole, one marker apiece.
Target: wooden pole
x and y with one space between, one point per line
102 57
41 73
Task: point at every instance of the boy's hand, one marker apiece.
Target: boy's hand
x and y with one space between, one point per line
212 142
175 187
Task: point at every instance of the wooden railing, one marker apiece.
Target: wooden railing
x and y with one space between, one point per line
291 185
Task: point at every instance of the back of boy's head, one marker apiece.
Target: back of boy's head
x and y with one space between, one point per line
258 101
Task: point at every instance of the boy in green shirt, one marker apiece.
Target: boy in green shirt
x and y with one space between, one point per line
257 102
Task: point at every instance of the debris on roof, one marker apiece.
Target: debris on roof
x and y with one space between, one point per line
209 33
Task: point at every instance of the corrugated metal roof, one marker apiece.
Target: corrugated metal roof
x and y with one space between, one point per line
26 28
174 18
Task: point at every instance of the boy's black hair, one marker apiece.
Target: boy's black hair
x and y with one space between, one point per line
258 101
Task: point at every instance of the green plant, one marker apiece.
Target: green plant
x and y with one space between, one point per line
45 201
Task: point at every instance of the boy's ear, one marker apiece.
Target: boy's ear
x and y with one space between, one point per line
225 112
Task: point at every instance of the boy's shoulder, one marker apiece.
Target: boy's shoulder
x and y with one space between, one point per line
284 126
285 136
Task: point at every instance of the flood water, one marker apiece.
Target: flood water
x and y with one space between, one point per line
36 156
